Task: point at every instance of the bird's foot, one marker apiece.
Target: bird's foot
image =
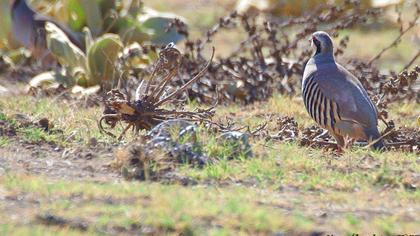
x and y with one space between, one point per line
340 150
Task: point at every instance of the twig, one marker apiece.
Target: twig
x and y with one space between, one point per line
161 87
185 86
379 139
411 61
395 42
103 118
144 112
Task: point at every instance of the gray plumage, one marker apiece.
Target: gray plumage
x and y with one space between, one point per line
335 98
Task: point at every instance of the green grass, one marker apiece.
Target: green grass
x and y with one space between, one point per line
201 209
283 188
29 131
35 135
75 124
4 141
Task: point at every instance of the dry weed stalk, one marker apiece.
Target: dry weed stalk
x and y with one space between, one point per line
146 110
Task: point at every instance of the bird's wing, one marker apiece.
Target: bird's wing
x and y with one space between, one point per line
340 86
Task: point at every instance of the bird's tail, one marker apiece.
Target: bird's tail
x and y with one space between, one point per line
375 137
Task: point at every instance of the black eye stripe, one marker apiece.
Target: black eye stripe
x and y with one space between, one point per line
317 44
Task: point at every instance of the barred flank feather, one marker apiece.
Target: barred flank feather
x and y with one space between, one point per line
324 111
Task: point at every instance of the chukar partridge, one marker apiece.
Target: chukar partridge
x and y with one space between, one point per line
336 99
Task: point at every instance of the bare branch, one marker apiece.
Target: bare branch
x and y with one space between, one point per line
185 86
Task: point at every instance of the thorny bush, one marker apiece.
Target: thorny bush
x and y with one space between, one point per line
271 57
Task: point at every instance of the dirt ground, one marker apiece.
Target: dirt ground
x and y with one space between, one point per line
85 163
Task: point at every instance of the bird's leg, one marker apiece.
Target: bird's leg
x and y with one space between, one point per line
341 143
340 150
349 142
346 142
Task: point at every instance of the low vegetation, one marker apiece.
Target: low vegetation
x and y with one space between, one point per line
282 188
219 146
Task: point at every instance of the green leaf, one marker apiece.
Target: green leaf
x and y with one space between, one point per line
49 78
158 22
77 15
5 22
136 57
88 37
106 6
93 15
131 30
45 78
101 59
18 55
85 91
62 48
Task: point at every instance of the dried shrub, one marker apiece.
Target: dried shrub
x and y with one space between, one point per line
142 163
270 58
146 110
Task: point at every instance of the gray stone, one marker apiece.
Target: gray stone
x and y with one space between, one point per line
162 137
239 140
167 128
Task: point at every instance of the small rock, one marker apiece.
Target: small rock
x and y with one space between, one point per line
4 91
50 163
92 142
89 168
185 153
161 142
279 234
167 128
240 142
44 123
316 233
89 156
167 136
173 177
322 214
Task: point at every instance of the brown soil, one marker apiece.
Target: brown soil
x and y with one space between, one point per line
81 163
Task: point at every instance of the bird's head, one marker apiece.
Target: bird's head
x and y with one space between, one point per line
322 42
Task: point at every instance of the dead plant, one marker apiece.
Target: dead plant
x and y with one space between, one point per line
146 110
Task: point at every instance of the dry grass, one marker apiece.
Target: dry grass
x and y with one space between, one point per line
283 188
